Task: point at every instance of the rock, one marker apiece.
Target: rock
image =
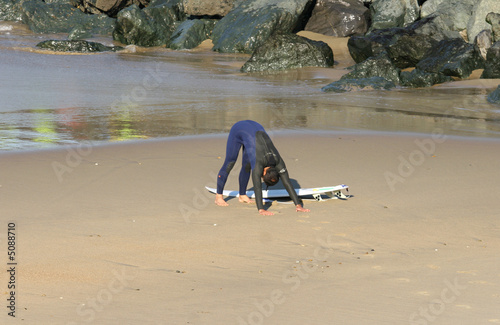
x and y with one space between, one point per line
477 22
76 46
409 49
494 20
289 51
62 18
151 26
190 33
252 22
418 78
451 16
378 66
494 97
372 83
453 57
373 44
423 33
339 18
10 10
207 7
394 13
110 7
492 64
79 33
483 42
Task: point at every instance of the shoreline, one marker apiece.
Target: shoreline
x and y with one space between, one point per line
282 133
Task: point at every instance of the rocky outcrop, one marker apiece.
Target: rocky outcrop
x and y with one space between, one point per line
345 85
251 23
39 17
394 13
453 57
108 7
339 18
207 7
10 10
378 66
151 26
418 78
190 33
289 51
477 22
483 42
494 97
494 20
492 64
76 46
451 16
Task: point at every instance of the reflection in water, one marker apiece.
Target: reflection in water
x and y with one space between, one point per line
63 99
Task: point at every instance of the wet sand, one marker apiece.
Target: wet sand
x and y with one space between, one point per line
126 234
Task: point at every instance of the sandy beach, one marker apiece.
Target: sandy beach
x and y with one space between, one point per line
126 234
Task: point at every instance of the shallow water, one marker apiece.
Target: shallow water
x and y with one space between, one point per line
49 99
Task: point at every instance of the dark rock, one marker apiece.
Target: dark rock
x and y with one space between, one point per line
10 10
379 66
151 26
480 11
190 33
453 57
251 23
494 20
345 85
394 13
76 46
339 18
207 7
109 7
483 42
373 44
289 51
492 64
79 33
409 49
494 97
62 18
418 78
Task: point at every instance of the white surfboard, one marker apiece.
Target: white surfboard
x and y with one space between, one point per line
316 192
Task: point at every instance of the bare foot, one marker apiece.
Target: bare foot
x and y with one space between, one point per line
266 213
219 200
245 199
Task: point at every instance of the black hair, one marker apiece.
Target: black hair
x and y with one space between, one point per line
271 177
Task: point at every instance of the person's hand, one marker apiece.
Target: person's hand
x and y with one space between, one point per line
299 208
266 213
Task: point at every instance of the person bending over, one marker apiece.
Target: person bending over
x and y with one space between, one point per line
261 159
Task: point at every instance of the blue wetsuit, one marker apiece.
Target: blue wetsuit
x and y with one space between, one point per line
258 152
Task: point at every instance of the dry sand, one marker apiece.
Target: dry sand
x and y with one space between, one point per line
126 234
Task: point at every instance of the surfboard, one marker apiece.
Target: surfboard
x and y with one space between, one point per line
315 192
